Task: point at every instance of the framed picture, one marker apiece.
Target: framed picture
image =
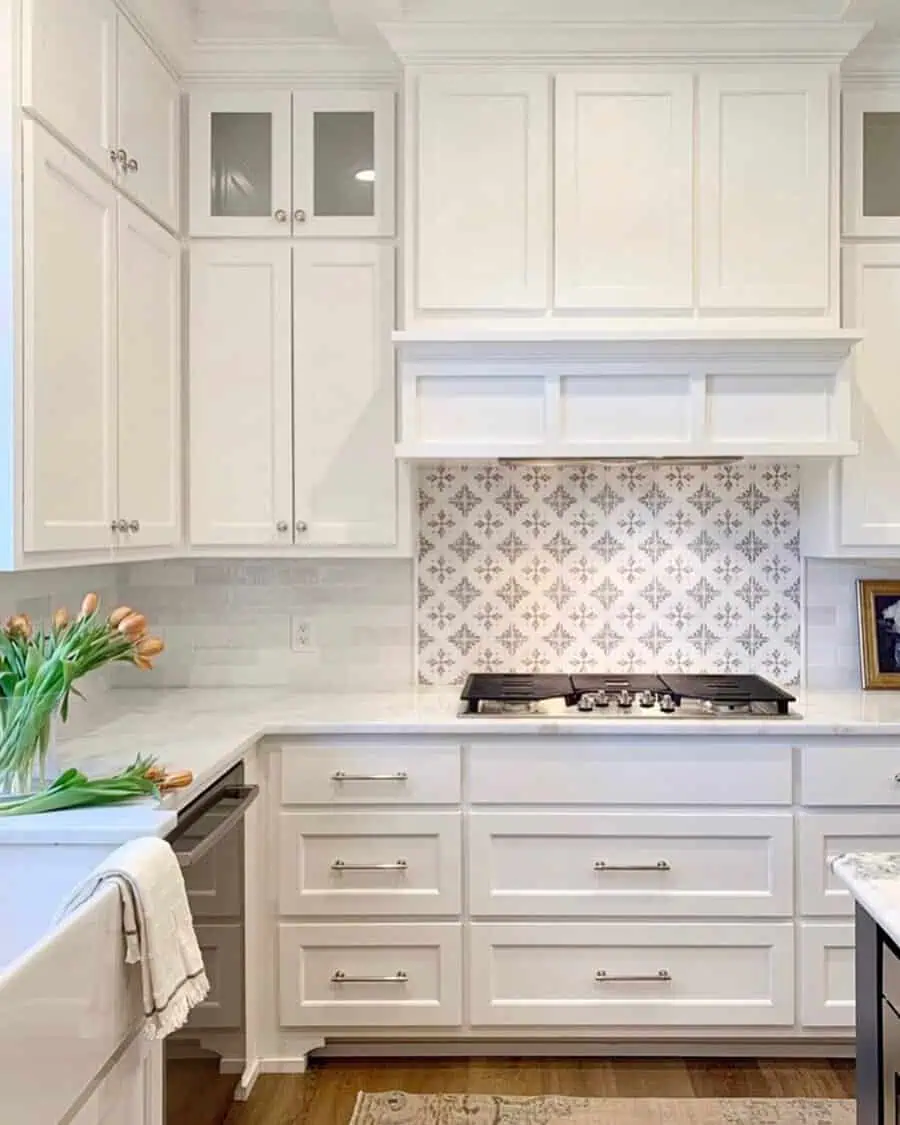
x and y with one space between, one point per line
879 633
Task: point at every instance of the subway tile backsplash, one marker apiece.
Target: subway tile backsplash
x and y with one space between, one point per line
668 567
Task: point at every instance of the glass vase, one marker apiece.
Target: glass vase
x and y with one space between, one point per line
28 761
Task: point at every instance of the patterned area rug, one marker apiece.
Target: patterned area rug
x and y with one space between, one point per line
478 1109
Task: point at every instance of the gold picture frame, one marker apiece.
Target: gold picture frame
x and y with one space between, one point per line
879 633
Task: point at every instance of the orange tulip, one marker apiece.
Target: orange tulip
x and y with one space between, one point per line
133 626
143 663
89 605
60 619
19 625
150 646
118 616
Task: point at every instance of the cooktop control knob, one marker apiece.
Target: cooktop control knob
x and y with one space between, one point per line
585 703
667 705
624 699
647 699
601 699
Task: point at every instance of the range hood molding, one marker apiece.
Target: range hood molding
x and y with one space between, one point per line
486 394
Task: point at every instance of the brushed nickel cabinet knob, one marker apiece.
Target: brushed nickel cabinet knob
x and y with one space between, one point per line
282 525
281 216
301 525
134 525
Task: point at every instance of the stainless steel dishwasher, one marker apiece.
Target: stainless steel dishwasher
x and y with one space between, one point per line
208 1055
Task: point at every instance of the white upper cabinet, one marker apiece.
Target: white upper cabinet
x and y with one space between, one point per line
870 507
764 198
92 79
68 349
624 191
871 162
345 475
149 381
69 71
148 133
240 163
479 190
343 163
240 393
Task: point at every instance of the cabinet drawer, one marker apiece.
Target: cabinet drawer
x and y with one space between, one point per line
850 775
660 771
395 975
223 951
821 837
370 863
827 988
715 974
359 773
571 863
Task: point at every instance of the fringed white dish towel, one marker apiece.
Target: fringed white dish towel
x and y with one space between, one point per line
158 929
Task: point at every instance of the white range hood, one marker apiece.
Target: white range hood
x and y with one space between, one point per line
570 392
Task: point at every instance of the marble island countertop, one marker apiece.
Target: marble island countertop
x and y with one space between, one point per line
208 730
873 878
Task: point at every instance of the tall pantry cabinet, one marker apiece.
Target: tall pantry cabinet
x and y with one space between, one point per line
292 402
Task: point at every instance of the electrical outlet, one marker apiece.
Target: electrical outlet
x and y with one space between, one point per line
302 638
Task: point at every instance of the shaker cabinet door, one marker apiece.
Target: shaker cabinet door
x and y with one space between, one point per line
480 192
69 72
149 384
148 126
871 163
345 474
870 503
624 192
764 199
69 349
344 163
240 393
240 164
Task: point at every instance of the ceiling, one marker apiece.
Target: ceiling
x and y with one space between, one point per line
356 21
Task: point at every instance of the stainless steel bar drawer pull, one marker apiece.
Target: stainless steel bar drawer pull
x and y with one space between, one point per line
340 977
603 977
340 865
660 865
400 775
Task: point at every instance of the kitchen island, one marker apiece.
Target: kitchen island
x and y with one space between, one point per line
873 879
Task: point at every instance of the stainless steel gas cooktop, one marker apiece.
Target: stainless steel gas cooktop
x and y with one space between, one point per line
608 695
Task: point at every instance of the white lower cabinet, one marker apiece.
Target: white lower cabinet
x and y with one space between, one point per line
632 974
827 996
646 864
369 863
132 1092
377 976
823 835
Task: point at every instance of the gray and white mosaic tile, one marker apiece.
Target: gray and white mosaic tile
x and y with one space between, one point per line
608 567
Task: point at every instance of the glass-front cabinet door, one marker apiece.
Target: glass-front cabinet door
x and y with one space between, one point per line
872 162
343 163
240 180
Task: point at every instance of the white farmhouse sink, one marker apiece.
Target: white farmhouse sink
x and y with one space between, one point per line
67 1001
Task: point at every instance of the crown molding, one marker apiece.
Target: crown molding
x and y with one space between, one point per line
167 24
551 44
875 62
298 62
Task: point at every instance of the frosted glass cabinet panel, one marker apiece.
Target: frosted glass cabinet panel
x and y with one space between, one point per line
343 163
872 162
241 164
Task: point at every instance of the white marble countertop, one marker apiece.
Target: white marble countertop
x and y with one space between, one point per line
208 730
873 878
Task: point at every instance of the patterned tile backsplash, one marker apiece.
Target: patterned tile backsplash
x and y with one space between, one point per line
580 567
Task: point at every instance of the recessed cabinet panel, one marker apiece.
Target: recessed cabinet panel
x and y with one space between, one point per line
69 71
481 192
658 407
149 111
624 176
870 507
240 393
241 164
764 192
827 979
344 164
149 383
69 347
345 474
871 162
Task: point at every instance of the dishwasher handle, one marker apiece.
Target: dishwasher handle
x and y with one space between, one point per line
245 796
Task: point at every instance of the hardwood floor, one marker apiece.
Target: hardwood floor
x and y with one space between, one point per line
326 1095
